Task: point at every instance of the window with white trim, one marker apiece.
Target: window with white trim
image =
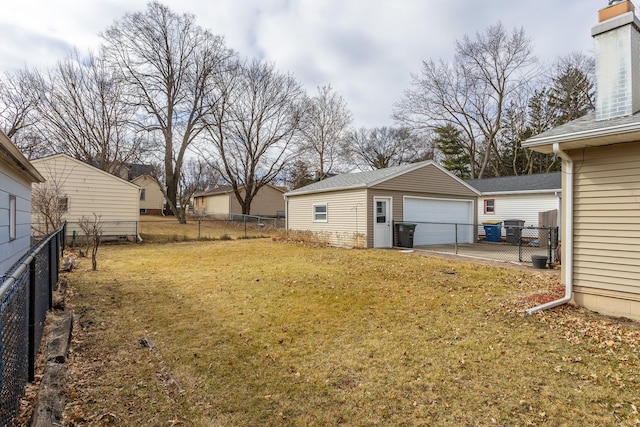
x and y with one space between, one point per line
320 213
12 217
490 206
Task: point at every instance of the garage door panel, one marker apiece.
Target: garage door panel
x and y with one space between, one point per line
437 219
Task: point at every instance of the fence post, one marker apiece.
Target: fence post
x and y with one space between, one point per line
244 218
199 229
32 326
456 244
550 243
52 275
520 250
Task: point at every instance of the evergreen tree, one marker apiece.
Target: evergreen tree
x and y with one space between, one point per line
456 158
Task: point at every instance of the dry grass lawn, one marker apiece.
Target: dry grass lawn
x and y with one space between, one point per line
263 333
163 229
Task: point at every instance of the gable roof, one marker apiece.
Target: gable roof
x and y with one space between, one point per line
223 189
368 179
10 154
536 183
83 164
587 131
218 189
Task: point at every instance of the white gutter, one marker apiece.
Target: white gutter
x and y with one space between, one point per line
567 236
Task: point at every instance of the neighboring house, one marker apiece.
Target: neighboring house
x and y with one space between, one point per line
84 190
359 209
221 202
521 197
601 176
151 195
16 177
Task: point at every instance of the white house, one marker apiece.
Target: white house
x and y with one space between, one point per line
521 197
16 177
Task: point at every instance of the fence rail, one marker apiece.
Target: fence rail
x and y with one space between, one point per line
168 229
26 293
504 243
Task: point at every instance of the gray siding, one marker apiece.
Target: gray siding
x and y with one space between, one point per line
11 183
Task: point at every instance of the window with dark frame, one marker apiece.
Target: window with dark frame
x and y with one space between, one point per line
490 206
142 194
63 204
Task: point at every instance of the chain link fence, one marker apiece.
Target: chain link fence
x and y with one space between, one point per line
26 294
511 243
167 229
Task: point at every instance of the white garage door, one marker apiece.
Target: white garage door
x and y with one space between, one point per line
437 219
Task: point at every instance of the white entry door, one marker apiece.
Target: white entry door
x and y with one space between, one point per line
382 232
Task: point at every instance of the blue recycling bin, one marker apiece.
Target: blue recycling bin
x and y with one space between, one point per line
492 231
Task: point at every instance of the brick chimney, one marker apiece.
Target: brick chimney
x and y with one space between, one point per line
617 45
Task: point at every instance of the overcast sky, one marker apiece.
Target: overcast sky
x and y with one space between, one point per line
366 49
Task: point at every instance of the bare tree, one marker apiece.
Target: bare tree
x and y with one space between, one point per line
19 99
49 201
92 229
324 128
48 206
384 147
472 92
83 113
252 128
168 64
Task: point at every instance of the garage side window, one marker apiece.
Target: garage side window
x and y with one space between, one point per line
490 206
320 213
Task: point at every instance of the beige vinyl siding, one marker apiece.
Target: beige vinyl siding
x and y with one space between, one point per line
427 179
607 226
397 213
218 205
347 217
153 198
90 190
268 202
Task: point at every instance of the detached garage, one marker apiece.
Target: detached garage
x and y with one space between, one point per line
359 209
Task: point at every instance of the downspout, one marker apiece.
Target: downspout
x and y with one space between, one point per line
286 213
567 236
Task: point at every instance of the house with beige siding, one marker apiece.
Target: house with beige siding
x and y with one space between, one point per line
360 209
151 195
220 202
17 175
601 176
84 190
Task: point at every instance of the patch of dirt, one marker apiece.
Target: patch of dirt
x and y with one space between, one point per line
551 294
